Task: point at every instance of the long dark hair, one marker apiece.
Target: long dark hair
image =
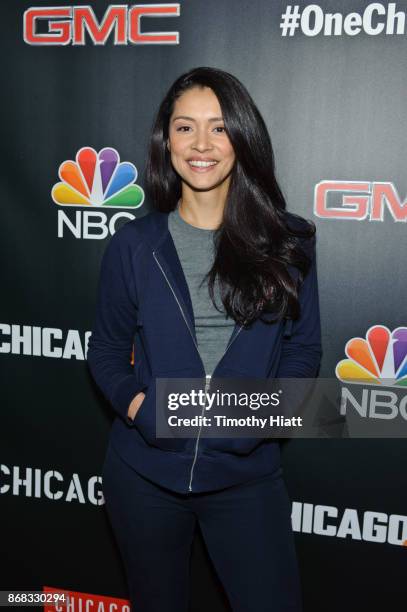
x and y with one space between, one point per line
257 238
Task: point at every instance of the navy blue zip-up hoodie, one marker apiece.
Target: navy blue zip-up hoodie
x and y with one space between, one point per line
143 300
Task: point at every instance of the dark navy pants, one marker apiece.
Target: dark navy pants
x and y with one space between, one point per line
246 528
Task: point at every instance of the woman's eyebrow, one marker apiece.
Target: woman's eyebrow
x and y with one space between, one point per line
192 119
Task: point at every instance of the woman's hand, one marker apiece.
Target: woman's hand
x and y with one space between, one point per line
135 405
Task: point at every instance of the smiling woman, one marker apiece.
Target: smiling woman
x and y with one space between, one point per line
201 152
208 116
218 280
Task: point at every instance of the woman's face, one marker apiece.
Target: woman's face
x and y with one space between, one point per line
201 152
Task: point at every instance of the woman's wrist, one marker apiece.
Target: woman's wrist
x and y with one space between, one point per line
135 404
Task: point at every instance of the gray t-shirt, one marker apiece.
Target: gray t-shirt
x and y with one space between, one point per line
196 252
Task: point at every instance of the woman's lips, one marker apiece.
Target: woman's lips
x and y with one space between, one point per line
202 166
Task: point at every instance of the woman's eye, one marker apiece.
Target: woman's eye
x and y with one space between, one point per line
186 128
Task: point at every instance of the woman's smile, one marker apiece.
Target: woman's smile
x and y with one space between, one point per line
199 165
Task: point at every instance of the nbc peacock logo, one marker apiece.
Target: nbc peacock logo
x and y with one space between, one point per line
98 180
378 359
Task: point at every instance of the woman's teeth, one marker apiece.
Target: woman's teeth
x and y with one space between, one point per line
202 164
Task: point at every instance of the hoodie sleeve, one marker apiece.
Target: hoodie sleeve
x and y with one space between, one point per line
111 342
302 349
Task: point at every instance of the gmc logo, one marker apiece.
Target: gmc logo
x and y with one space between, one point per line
359 200
68 24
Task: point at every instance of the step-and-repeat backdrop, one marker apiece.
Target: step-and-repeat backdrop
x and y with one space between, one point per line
81 84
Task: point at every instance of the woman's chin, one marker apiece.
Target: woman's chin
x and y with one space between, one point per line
202 183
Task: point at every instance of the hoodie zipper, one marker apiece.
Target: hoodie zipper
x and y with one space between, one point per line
179 305
208 376
207 383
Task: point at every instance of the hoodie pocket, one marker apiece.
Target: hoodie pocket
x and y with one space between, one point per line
145 422
237 445
234 446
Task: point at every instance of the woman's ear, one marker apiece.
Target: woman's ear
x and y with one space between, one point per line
168 144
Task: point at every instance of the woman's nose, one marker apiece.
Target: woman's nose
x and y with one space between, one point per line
202 140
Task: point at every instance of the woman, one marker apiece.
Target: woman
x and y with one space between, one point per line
218 280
